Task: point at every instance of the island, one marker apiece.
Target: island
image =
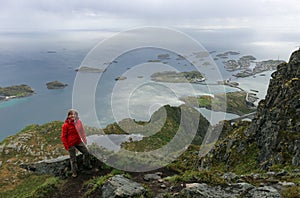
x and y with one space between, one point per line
15 91
120 78
247 66
56 85
226 54
163 56
178 77
90 69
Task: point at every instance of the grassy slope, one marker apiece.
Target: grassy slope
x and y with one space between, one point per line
27 184
232 102
32 144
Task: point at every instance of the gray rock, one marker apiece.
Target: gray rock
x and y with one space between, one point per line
281 173
233 191
119 186
287 184
263 192
150 177
53 166
230 176
203 191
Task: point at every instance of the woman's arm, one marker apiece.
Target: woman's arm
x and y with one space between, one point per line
64 136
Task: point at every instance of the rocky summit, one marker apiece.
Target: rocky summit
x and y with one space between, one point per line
276 127
272 139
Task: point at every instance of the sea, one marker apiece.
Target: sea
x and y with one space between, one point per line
37 58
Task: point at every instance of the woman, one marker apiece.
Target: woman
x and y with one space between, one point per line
73 136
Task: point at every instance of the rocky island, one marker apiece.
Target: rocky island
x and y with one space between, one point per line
16 91
178 77
56 85
247 66
89 69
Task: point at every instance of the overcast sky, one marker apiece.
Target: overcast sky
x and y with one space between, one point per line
269 21
36 15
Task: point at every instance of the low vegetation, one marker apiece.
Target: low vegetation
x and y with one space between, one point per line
16 91
232 102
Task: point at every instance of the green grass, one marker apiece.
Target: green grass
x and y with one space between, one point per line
232 102
194 176
33 186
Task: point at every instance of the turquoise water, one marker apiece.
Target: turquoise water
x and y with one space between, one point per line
12 102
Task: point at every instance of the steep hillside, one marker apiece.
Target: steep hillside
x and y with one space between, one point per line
34 143
271 142
276 127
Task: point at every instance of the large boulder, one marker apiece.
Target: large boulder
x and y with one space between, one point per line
119 186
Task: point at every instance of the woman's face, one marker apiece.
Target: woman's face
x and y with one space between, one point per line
72 116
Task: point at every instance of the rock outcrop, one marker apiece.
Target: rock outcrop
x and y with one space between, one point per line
202 190
273 136
276 127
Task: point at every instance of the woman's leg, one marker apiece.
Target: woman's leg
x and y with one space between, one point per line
86 155
73 161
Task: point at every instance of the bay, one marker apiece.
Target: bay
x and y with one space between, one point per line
36 61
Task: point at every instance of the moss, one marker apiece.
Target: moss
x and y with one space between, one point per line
235 152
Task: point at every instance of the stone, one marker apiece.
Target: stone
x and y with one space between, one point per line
287 184
281 173
163 186
235 190
119 186
230 176
263 192
150 177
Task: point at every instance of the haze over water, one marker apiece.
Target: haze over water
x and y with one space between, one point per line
38 58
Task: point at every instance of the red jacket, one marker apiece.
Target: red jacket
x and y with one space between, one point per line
72 133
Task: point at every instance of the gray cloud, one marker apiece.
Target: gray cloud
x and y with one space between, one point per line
94 14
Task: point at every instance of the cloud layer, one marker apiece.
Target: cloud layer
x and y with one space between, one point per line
34 15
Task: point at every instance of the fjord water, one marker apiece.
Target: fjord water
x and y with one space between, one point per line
35 62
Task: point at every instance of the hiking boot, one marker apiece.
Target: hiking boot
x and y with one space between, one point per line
74 175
